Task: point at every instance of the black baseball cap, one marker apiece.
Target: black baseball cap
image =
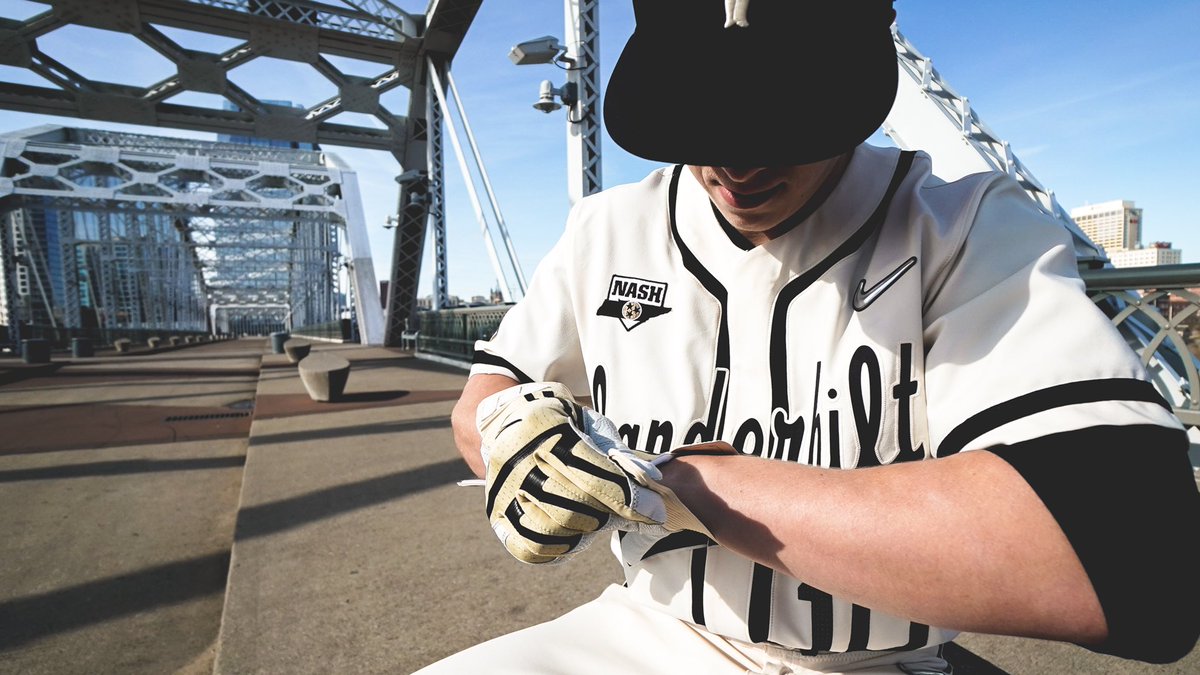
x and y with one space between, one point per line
806 80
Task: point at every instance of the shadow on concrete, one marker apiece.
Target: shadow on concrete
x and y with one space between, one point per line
23 620
12 373
415 363
271 406
286 514
120 468
154 357
353 430
175 400
373 396
130 372
32 429
968 663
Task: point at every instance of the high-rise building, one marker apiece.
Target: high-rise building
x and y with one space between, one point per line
1115 226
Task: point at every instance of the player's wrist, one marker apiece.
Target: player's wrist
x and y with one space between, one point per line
685 476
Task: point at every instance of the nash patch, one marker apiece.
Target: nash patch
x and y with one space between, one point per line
634 301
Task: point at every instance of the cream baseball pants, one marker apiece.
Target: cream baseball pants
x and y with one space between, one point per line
616 634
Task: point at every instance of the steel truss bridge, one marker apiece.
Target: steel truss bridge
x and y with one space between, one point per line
114 230
412 51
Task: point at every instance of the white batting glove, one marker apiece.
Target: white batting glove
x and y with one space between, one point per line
649 497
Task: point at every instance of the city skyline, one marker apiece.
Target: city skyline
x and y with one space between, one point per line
1096 113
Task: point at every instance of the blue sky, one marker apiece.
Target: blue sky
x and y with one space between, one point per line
1100 104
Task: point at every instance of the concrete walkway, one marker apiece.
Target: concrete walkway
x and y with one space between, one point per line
119 479
354 551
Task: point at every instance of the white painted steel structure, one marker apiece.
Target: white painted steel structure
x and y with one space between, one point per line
930 115
401 43
115 230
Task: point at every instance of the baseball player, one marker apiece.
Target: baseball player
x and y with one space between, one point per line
827 409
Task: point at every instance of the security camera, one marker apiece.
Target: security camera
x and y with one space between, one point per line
542 50
546 102
412 178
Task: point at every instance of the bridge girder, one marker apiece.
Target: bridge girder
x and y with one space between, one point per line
296 30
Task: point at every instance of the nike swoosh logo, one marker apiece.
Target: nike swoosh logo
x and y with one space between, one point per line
863 297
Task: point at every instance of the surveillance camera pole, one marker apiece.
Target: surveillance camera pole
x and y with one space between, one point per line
582 23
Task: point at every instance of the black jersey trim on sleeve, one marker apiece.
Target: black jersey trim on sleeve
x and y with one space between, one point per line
484 358
1126 499
1071 393
691 263
779 374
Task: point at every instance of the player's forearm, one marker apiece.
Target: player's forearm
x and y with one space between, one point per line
961 542
462 419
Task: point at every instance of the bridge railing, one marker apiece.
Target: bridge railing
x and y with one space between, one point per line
60 337
451 333
1157 309
342 330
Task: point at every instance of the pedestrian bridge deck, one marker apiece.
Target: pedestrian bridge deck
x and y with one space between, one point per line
193 511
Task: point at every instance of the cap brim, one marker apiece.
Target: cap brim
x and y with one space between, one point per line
724 98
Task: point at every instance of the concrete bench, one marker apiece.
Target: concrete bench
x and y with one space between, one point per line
324 375
277 340
123 345
296 349
82 347
35 350
154 342
174 340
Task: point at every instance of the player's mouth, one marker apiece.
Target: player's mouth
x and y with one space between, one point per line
748 200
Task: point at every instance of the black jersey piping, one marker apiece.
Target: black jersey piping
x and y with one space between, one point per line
487 359
710 284
779 396
699 564
763 579
810 207
736 238
1071 393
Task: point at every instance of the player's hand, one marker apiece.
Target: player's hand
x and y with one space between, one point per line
536 514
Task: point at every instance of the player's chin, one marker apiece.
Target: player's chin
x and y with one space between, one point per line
761 219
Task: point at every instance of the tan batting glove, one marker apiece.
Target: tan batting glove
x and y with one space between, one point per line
557 474
538 517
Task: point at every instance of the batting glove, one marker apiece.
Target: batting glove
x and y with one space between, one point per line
641 496
557 474
536 514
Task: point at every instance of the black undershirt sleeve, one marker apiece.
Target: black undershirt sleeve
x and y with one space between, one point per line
1126 498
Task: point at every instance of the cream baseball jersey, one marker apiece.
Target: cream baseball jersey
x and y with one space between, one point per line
904 319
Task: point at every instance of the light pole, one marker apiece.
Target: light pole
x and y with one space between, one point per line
580 95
